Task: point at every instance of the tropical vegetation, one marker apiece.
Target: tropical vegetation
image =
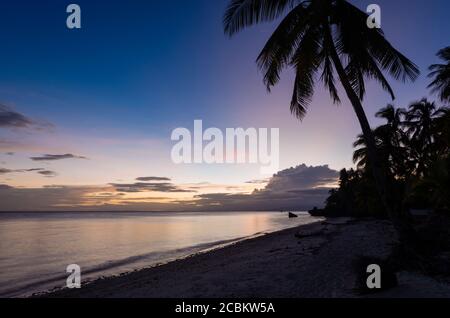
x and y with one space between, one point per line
325 40
414 146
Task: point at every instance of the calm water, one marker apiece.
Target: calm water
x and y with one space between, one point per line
35 248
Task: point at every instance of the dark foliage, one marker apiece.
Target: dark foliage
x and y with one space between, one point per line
414 147
440 73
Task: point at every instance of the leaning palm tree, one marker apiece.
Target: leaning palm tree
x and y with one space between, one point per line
325 37
441 75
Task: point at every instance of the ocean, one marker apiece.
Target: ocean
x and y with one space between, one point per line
37 247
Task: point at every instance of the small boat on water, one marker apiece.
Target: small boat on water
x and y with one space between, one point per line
292 215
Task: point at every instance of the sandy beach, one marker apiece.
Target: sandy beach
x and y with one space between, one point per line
313 260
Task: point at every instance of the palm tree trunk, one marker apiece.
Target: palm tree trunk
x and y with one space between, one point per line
401 225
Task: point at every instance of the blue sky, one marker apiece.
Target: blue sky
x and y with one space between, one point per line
114 90
146 63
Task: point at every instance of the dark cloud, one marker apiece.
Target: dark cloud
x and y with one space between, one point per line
48 157
49 198
10 118
302 177
298 200
145 179
258 181
75 198
41 171
299 188
5 171
10 153
148 187
5 187
33 169
47 173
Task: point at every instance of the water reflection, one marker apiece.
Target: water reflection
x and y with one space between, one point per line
37 247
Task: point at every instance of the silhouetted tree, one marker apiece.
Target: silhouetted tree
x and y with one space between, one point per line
420 121
389 140
442 132
414 146
325 37
354 197
393 140
441 75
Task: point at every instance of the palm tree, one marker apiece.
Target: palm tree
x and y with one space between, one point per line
394 139
393 155
420 121
441 75
442 132
330 36
393 117
360 155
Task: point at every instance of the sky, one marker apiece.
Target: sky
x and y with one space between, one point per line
91 110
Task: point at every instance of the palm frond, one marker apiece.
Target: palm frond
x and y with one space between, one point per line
306 61
441 76
280 47
327 77
357 40
243 13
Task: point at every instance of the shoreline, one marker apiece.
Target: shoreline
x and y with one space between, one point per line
308 261
104 253
231 243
